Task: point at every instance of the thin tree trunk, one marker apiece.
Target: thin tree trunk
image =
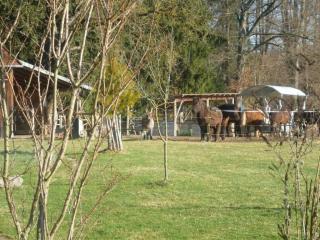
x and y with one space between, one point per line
6 153
165 145
42 219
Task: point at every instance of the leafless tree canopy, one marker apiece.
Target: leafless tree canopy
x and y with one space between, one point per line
61 52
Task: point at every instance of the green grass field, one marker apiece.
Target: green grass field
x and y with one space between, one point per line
215 191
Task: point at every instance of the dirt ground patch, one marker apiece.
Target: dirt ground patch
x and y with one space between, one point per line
4 238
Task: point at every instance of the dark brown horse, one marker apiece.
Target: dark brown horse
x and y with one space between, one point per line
277 119
209 120
231 114
303 119
255 118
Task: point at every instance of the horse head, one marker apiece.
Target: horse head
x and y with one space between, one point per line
195 102
198 105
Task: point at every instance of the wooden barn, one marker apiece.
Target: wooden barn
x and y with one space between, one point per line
27 85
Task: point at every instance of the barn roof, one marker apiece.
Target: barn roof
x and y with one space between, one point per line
21 67
31 67
271 91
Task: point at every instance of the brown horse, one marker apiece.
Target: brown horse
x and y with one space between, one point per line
277 119
209 120
255 118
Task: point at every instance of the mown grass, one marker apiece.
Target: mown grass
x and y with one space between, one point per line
215 191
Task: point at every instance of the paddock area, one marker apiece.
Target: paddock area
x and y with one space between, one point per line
215 191
271 109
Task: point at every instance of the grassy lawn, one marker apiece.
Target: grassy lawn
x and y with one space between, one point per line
216 191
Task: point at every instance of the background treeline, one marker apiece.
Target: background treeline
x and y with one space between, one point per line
218 45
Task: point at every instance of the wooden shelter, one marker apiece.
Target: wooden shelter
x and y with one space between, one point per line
179 100
24 83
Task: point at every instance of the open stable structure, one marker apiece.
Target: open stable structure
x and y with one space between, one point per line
265 93
24 83
179 100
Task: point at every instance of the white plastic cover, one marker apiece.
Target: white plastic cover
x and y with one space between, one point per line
271 91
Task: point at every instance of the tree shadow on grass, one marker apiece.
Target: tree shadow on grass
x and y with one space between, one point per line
247 207
4 237
19 152
156 184
230 208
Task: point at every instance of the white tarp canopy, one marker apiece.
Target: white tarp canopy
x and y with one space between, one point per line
271 91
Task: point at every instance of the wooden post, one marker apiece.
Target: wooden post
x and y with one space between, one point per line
7 77
114 133
208 102
128 121
2 80
304 103
175 118
232 125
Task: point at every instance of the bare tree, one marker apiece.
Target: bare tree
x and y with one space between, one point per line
244 34
301 190
160 71
68 30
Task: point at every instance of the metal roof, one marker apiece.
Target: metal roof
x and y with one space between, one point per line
48 73
271 91
210 96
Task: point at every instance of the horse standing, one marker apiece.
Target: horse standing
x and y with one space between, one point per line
230 114
209 120
147 126
254 118
277 119
302 119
